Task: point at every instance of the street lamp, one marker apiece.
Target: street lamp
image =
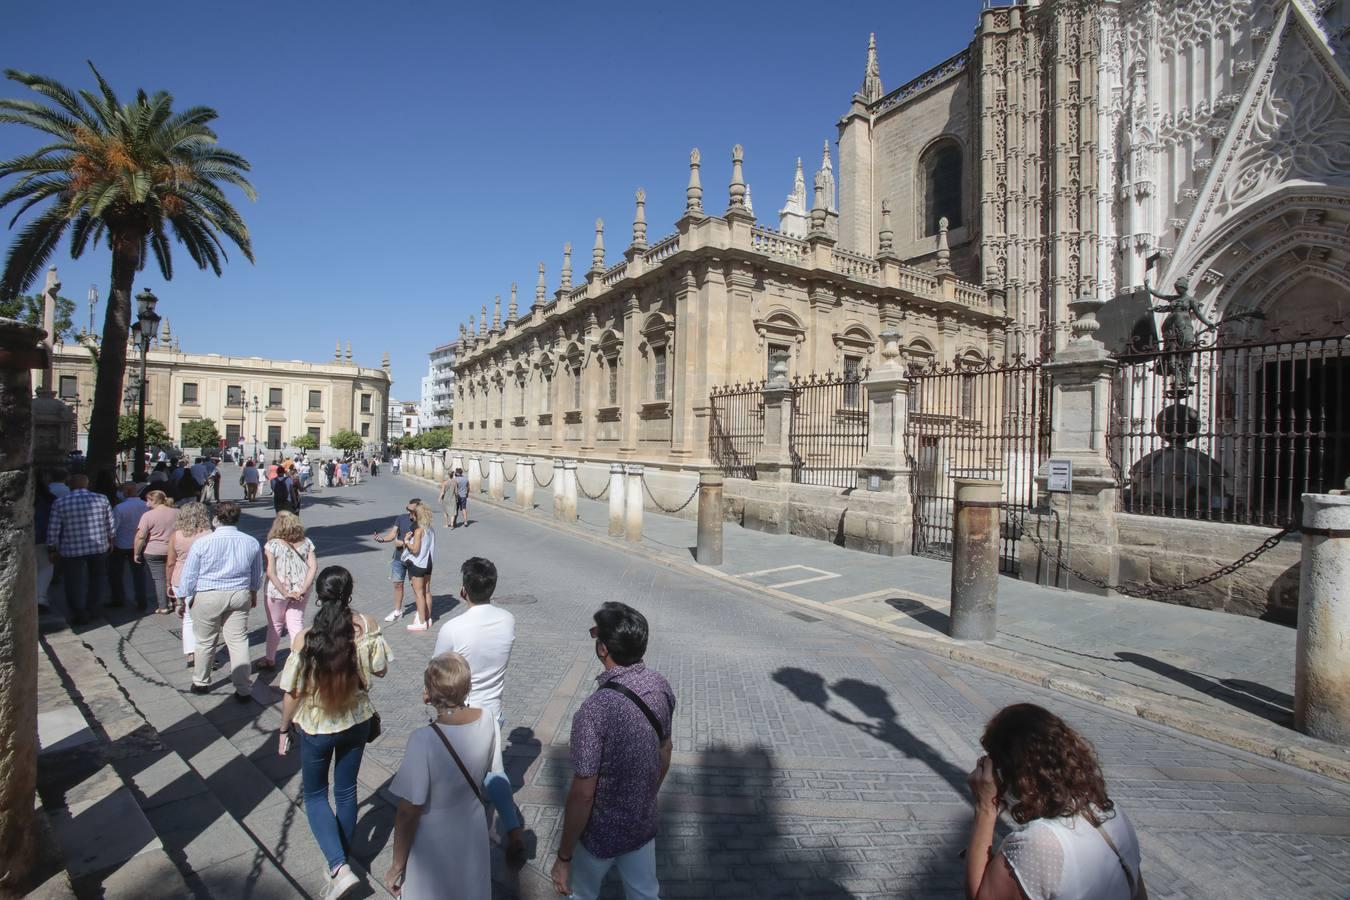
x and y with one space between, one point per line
145 331
256 409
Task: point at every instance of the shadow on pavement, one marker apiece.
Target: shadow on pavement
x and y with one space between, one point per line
921 613
1258 699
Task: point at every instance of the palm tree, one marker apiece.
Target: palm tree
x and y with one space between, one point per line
130 174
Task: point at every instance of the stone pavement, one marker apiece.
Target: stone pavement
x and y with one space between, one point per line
813 754
1230 678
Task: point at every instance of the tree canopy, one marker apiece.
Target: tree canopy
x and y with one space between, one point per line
305 442
201 433
431 439
27 308
347 440
156 435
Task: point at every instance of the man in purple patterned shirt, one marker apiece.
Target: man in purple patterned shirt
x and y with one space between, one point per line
620 755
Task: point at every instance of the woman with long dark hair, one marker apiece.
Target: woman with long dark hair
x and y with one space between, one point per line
1073 842
325 681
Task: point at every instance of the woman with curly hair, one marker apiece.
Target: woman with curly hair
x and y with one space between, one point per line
191 523
1073 843
326 680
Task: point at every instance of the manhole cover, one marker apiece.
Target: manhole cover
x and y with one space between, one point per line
803 616
515 600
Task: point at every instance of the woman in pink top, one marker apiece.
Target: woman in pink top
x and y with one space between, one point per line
191 523
152 544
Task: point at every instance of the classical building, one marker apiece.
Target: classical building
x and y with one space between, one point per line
251 399
1073 155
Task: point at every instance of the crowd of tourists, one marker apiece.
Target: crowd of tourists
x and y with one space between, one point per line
1071 840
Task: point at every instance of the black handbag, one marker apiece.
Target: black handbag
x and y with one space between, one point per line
375 729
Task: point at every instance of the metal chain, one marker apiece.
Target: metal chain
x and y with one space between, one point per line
661 506
512 479
542 483
588 495
1142 591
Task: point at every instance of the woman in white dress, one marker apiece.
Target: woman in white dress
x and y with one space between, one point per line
1073 842
441 827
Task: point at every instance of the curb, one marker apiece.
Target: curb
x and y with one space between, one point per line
1291 748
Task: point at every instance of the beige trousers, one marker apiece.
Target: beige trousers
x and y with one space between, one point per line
217 614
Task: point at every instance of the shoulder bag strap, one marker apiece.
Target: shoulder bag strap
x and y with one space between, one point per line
459 762
646 710
1129 876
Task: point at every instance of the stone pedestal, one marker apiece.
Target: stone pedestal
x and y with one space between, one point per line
20 351
496 478
767 511
1322 669
616 505
456 461
569 491
475 473
437 467
880 516
525 483
53 430
632 518
975 537
708 551
556 487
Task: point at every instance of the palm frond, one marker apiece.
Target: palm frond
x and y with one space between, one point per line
28 254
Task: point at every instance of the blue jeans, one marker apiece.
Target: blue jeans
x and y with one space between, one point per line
498 787
637 871
343 750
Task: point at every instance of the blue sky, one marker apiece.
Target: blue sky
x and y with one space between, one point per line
413 159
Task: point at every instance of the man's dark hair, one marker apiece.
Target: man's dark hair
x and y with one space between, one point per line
459 471
623 631
227 512
479 578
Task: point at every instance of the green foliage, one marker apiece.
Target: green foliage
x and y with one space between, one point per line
156 435
201 433
27 308
305 442
347 440
431 439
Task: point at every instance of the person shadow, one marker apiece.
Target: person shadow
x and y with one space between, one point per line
1248 696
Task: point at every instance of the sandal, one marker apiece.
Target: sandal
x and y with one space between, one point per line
264 665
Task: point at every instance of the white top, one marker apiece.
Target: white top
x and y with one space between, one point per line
1066 859
422 559
483 635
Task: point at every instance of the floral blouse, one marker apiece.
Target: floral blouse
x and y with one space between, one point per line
372 655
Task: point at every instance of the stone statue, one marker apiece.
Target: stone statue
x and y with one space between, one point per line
1178 331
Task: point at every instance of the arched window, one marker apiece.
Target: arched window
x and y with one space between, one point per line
940 173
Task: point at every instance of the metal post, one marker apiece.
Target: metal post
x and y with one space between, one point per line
708 551
1322 668
632 525
975 559
616 504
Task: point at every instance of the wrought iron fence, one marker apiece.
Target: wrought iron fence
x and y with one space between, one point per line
1232 433
736 431
828 432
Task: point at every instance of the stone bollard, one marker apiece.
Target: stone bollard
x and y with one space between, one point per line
569 496
525 483
975 535
556 485
496 478
616 510
437 467
475 474
1322 666
456 461
708 551
632 519
20 351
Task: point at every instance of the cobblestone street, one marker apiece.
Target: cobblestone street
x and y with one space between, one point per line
812 755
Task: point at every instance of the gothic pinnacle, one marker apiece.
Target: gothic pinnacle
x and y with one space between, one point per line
693 202
511 310
540 288
566 284
497 313
736 190
871 86
598 251
640 219
885 237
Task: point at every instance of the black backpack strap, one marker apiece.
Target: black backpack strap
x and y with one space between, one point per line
646 710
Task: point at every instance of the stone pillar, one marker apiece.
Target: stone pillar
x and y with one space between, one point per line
456 461
556 486
20 352
708 549
766 509
437 467
1080 396
525 483
475 473
975 537
616 505
1322 669
632 516
881 512
496 478
569 492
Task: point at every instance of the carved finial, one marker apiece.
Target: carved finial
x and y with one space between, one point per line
497 313
827 173
473 330
871 86
749 206
890 348
792 217
737 188
482 322
567 268
349 351
818 206
640 219
825 164
384 360
885 237
693 202
598 251
337 350
944 253
540 288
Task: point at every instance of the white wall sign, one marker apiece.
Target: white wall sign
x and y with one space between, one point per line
1061 476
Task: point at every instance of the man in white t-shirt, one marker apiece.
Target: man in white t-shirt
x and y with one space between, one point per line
483 635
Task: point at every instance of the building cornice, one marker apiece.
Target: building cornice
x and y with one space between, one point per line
172 359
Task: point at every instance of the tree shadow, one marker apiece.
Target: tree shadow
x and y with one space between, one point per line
1258 699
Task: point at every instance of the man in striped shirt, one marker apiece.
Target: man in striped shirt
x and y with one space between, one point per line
79 537
221 579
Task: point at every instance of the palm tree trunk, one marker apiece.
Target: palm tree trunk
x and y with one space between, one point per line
112 355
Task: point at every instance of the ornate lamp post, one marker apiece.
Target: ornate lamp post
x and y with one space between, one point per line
145 331
256 409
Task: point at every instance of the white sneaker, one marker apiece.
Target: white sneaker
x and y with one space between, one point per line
417 625
394 616
341 883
